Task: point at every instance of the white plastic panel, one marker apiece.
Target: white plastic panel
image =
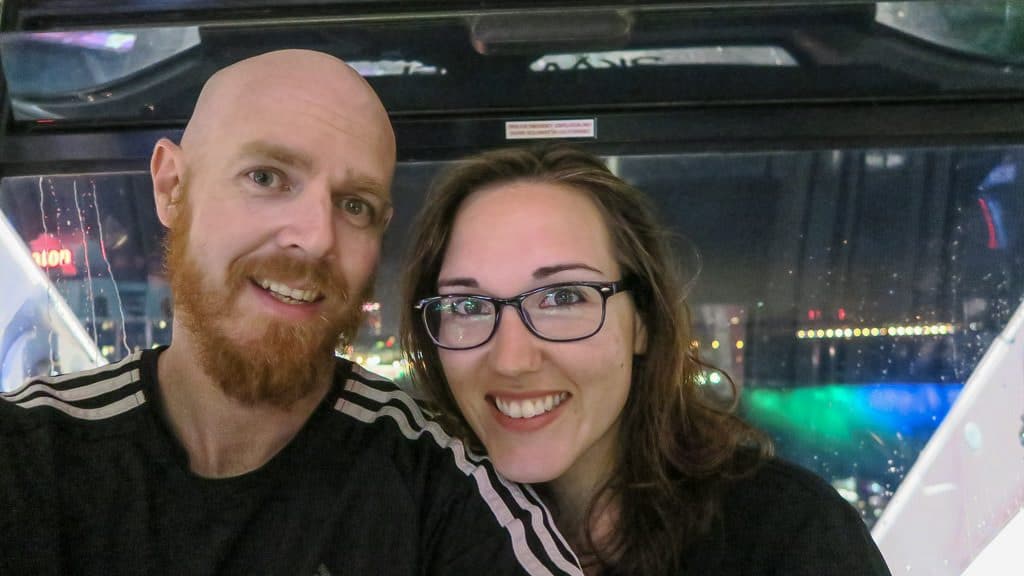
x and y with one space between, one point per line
39 334
968 482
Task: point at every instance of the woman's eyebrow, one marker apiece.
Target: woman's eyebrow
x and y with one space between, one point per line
539 273
545 271
468 282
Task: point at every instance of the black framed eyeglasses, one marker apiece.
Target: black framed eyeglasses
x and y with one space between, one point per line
562 312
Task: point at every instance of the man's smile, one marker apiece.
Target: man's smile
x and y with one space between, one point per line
288 294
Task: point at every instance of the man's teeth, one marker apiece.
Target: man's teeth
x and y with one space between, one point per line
286 293
530 408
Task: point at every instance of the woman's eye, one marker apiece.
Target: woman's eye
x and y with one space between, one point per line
468 307
561 297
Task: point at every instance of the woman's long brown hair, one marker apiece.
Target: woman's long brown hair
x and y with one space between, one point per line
676 448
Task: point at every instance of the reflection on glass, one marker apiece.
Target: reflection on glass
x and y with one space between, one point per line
691 56
39 334
84 234
572 58
989 29
86 60
377 68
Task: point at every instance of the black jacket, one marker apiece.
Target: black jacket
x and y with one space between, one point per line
93 482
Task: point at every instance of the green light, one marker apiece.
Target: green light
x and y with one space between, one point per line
828 414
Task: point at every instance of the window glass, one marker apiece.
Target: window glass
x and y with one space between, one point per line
848 293
542 60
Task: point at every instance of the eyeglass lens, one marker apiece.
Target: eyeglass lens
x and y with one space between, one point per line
560 313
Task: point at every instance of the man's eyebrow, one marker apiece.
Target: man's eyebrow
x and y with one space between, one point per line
276 152
367 185
545 271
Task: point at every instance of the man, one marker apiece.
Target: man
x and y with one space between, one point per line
246 447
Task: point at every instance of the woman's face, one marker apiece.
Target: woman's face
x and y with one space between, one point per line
506 240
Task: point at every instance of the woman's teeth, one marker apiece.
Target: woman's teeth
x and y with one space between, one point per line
287 294
529 408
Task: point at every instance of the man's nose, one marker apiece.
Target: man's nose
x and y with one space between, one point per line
514 350
310 226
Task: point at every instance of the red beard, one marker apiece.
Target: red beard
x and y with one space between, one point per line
276 363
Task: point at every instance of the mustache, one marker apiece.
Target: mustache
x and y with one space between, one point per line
309 274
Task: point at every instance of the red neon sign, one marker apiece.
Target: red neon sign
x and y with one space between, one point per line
49 253
52 258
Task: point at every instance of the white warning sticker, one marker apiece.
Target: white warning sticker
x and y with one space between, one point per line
536 129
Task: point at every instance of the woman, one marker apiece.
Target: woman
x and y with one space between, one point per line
545 322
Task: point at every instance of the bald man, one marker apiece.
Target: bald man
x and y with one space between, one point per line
246 446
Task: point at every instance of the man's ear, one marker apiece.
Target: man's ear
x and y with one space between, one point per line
639 335
167 167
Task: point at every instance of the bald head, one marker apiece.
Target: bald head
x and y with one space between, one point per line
274 84
298 113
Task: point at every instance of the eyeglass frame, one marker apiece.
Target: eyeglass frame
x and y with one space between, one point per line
605 289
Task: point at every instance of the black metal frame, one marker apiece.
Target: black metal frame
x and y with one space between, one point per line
64 14
647 128
723 129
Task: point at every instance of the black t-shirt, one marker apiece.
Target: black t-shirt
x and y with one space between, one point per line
785 521
93 482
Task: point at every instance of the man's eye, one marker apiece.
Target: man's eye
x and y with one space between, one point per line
265 178
354 206
357 211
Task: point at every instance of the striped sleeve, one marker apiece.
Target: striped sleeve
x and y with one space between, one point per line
539 548
96 394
